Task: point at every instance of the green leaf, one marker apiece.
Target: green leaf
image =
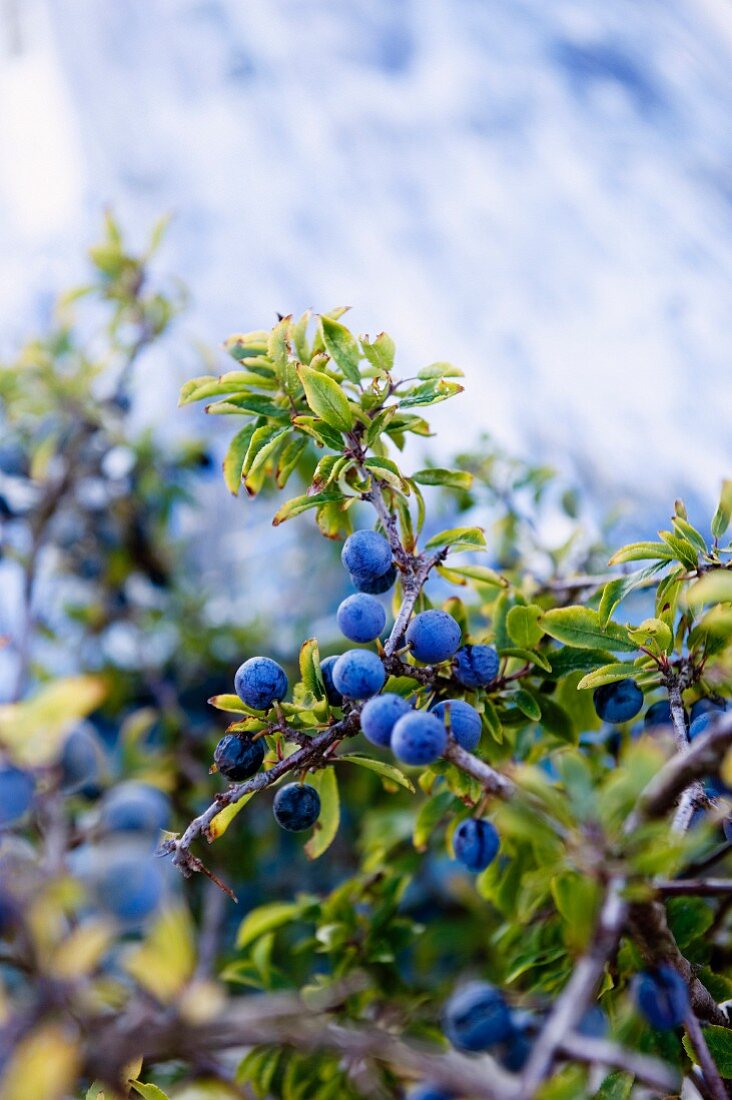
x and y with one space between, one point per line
616 590
224 817
565 661
640 551
440 370
326 399
577 898
301 504
522 624
326 827
343 349
429 393
430 814
310 672
265 918
321 432
527 655
379 352
719 1041
722 516
712 587
235 455
451 479
255 465
652 632
688 918
232 704
148 1092
386 470
527 704
608 674
480 573
616 1086
581 627
387 771
459 538
682 549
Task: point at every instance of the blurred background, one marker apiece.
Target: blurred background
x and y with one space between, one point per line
540 193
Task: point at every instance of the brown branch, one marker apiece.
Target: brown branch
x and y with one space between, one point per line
712 1079
601 1052
704 888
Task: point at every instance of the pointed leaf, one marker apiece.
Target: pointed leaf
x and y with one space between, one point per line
343 349
388 771
326 827
326 399
581 627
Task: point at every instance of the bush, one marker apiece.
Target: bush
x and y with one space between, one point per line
492 866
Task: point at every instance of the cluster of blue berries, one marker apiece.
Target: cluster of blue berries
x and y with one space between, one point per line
416 737
260 683
477 1018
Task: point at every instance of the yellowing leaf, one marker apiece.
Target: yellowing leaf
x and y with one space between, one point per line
42 1067
326 827
166 960
34 729
326 399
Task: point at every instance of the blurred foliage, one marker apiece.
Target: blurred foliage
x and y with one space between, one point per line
111 656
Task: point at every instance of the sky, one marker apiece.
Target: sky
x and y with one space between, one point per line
541 193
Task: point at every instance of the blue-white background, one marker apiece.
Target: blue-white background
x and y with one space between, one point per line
541 192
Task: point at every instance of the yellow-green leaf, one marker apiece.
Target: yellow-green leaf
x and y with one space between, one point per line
581 627
326 827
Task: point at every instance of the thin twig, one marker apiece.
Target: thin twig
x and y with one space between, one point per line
712 1078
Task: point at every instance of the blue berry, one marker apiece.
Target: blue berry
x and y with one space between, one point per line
366 555
658 714
81 760
662 997
618 702
238 757
296 807
361 618
429 1091
332 693
358 674
475 843
593 1023
514 1053
16 793
476 665
701 724
260 682
127 882
379 716
135 807
476 1017
376 586
418 738
464 721
707 705
727 829
433 636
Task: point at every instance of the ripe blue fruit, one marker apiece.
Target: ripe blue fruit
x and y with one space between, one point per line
81 760
618 702
379 716
701 724
332 693
358 674
662 997
476 665
238 757
514 1053
260 682
135 807
658 714
433 636
475 843
429 1091
361 618
296 807
16 793
375 586
463 719
727 829
127 882
707 705
418 738
476 1017
593 1023
366 555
